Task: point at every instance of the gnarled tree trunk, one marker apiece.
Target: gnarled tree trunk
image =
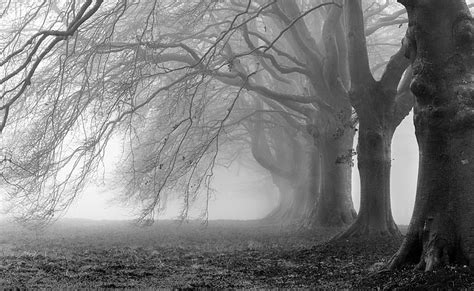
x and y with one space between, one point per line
439 42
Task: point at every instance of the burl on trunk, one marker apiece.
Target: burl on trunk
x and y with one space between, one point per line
439 42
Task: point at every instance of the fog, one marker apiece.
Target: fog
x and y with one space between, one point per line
239 192
237 144
245 194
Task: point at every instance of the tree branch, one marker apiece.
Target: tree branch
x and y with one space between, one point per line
358 57
393 71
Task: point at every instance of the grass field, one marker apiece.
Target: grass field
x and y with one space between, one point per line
225 254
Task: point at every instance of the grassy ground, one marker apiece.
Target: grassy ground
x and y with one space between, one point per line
226 254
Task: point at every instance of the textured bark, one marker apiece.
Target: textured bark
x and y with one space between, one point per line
380 110
439 43
374 162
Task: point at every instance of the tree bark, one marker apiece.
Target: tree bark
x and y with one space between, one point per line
439 42
335 207
374 163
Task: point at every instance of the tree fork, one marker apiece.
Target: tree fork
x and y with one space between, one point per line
380 108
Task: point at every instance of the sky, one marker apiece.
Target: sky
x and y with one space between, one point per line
244 194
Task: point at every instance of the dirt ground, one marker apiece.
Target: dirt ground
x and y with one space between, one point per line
226 254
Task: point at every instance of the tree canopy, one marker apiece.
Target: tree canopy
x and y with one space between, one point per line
177 81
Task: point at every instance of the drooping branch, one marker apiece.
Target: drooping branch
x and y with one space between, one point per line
39 51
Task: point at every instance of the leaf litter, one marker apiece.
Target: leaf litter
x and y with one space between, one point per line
226 254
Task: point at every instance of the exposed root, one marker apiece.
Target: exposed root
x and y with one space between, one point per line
361 228
410 249
432 245
335 218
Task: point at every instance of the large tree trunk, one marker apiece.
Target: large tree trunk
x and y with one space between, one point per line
374 163
335 207
439 42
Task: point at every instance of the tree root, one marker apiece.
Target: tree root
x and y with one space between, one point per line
361 229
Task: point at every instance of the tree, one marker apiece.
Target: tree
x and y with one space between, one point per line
120 72
170 85
287 153
326 111
439 42
36 33
380 107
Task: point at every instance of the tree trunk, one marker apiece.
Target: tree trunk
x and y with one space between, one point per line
285 199
314 178
298 196
335 207
374 163
380 108
439 42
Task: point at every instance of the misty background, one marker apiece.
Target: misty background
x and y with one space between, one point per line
243 193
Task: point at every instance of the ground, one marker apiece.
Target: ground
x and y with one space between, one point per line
225 254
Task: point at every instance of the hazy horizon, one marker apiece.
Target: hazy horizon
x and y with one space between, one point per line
238 199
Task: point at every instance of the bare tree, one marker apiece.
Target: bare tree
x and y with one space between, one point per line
441 52
167 76
381 106
111 74
37 34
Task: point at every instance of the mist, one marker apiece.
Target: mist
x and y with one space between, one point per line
249 144
246 194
